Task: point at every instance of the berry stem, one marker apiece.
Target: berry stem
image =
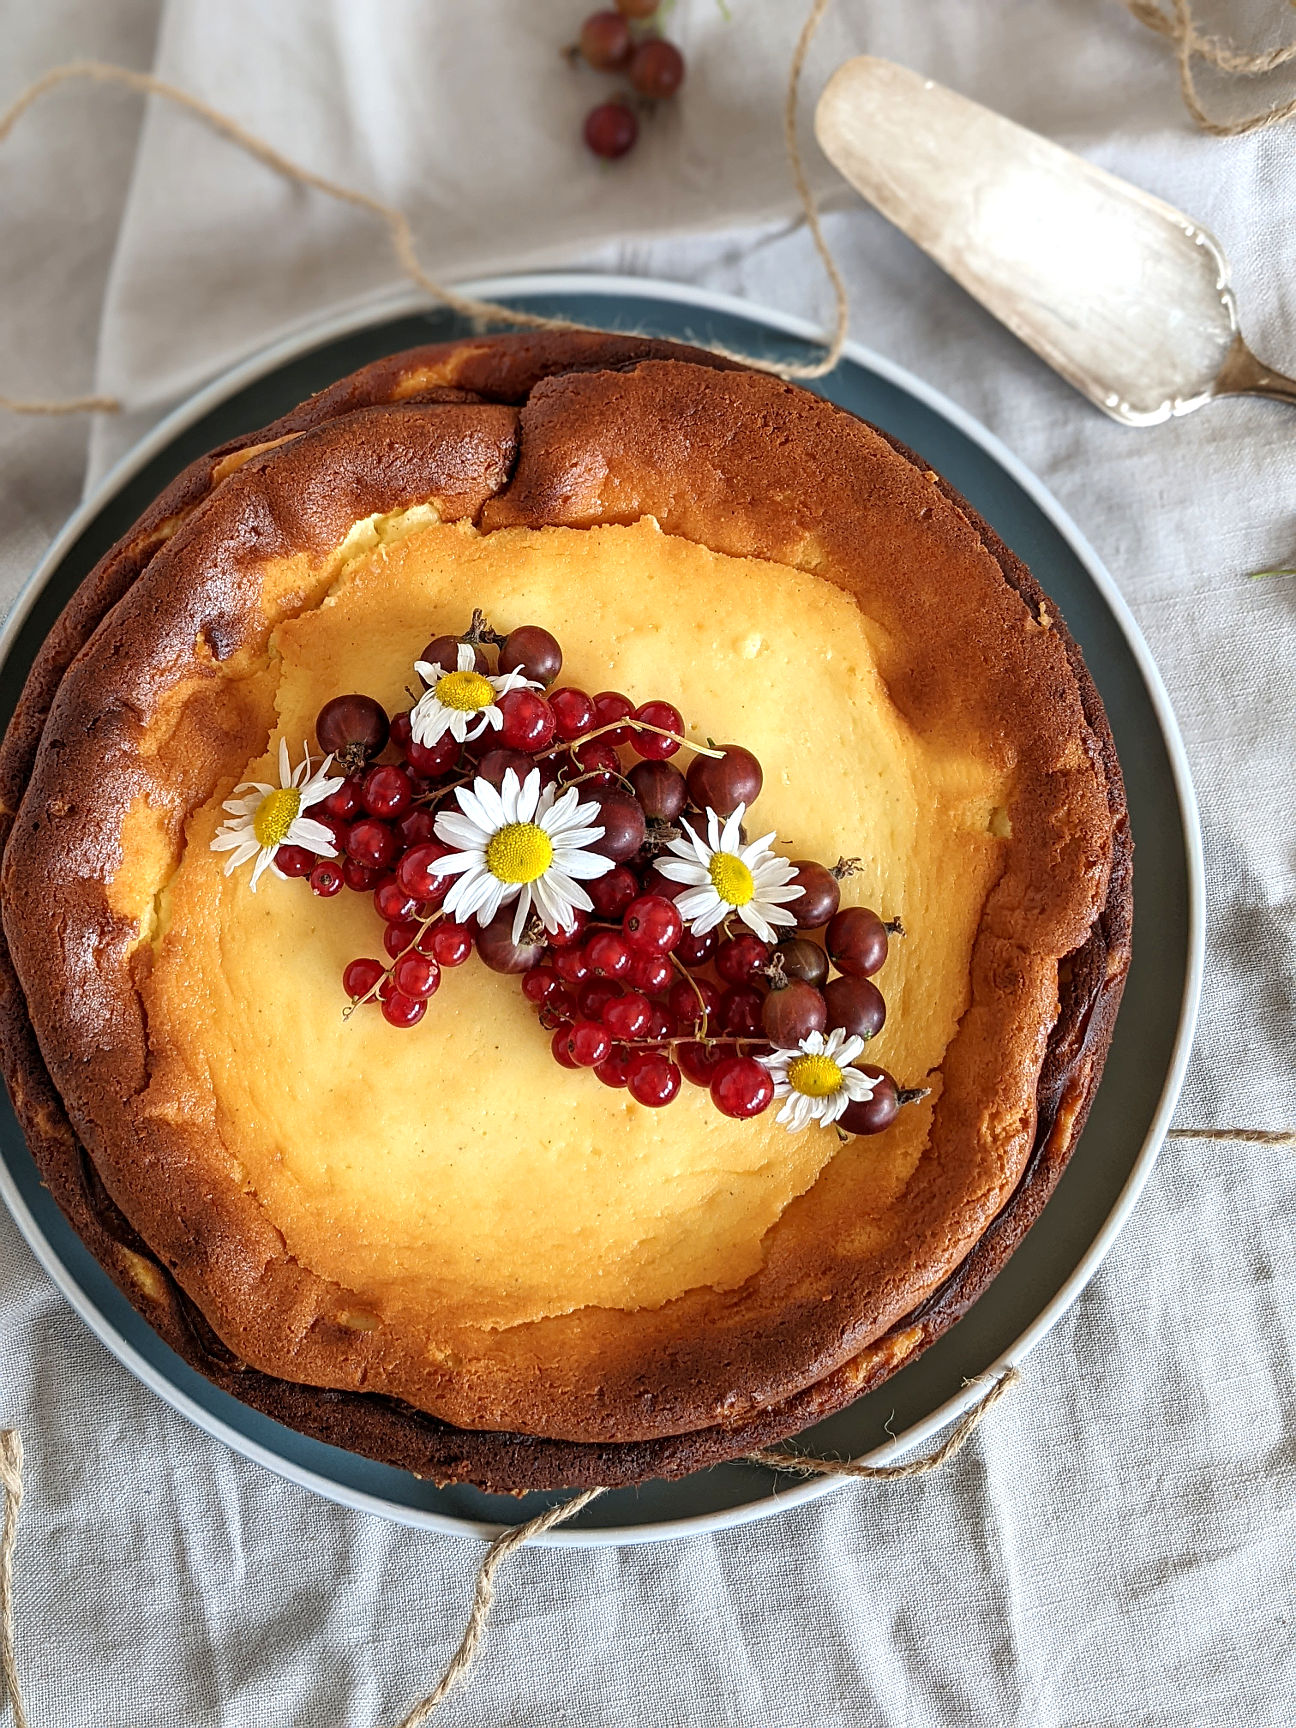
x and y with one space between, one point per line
371 994
700 1026
894 927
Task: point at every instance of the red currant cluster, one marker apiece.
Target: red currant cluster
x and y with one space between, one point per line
626 41
628 990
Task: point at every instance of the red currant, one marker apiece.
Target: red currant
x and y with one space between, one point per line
612 893
540 983
450 943
739 959
293 861
495 764
740 1011
605 41
359 978
612 1069
326 879
652 745
637 8
416 828
611 129
661 1023
652 924
339 830
608 954
372 844
650 972
694 949
528 721
597 763
627 1016
657 68
386 792
571 965
699 1061
652 1079
416 975
610 705
392 903
417 873
693 1000
558 1045
594 997
343 801
571 937
359 877
589 1043
562 1005
533 652
433 761
403 1011
398 937
573 712
741 1088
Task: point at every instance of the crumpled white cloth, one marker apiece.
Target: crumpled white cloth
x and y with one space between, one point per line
1117 1545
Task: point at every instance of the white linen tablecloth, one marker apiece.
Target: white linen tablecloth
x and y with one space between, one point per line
1117 1545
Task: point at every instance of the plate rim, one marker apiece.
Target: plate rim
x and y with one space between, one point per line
316 332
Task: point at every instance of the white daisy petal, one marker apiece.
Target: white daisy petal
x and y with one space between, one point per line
467 657
678 870
528 797
314 836
523 912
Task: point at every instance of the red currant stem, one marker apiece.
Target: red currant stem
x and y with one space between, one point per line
700 1031
431 799
424 923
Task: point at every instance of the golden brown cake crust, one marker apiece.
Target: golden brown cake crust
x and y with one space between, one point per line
639 1393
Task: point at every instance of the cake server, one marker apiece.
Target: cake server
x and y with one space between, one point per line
1125 296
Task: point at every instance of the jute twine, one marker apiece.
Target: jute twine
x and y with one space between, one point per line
1178 26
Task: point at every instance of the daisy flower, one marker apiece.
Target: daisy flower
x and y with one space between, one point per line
463 702
724 876
519 843
816 1079
268 817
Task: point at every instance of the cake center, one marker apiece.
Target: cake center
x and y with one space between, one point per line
453 1174
276 815
519 852
466 693
731 879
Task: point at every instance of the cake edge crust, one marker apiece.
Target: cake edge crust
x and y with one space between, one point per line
381 1427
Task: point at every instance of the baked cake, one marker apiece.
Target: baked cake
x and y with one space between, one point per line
398 1224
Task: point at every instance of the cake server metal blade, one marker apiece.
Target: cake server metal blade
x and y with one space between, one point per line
1125 296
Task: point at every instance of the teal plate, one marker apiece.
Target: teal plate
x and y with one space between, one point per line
1153 1034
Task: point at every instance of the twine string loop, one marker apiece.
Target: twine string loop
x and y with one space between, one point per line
1178 26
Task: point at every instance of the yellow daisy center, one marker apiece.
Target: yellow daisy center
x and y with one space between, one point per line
275 815
731 879
814 1076
519 853
465 692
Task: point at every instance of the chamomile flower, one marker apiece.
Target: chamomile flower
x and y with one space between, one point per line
724 876
816 1079
520 843
268 817
464 702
